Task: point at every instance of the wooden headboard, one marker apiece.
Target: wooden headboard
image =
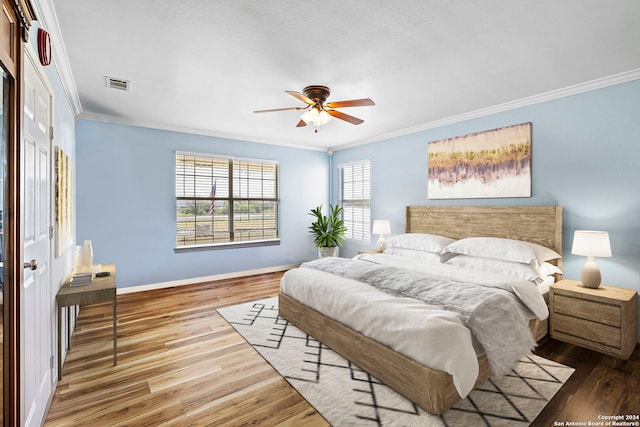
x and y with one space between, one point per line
536 224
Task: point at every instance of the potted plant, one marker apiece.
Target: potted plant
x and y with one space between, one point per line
327 232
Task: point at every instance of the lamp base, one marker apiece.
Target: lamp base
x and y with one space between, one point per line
590 275
382 245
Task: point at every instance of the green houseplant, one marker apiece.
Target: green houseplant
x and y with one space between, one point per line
327 231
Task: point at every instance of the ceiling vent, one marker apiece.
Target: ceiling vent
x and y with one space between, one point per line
119 84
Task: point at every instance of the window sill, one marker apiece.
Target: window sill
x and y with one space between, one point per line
232 245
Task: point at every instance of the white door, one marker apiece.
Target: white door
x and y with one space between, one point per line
36 309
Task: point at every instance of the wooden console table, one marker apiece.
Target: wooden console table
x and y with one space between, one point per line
102 289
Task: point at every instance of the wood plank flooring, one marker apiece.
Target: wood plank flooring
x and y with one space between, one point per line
181 364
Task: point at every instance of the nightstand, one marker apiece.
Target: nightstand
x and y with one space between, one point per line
369 251
604 319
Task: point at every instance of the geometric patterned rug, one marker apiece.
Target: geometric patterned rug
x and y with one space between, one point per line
347 396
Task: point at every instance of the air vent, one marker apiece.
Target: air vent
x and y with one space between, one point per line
119 84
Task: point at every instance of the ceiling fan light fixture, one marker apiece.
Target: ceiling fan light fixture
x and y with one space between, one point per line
309 115
317 111
316 116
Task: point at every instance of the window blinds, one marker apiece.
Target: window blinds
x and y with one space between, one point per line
355 190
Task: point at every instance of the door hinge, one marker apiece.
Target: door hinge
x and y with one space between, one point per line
51 362
50 132
50 232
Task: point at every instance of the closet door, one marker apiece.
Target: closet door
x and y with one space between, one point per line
37 300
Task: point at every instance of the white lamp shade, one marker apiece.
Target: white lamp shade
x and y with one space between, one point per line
381 226
591 243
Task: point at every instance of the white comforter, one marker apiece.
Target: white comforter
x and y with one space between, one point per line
433 337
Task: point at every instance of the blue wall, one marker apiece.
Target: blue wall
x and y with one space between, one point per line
585 157
125 183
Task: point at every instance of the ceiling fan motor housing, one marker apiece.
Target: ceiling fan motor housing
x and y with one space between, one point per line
316 93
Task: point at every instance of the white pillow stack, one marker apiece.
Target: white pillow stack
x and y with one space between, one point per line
516 258
422 246
510 257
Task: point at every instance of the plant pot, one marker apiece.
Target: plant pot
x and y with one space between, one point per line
328 251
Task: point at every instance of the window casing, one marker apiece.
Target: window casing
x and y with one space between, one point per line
355 199
225 201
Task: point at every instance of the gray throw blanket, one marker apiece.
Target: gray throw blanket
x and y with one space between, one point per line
489 312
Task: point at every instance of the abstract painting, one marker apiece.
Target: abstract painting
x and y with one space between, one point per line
493 163
64 202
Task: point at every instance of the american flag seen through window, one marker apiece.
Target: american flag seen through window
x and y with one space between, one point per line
212 195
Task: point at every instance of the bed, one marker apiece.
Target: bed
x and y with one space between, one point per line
431 389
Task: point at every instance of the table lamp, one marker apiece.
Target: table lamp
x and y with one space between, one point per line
381 227
591 244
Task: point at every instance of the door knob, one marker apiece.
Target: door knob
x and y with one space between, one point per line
31 265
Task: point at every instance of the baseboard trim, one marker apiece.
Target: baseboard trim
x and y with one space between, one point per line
194 280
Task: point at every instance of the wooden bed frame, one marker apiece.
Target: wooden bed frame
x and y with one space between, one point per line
431 389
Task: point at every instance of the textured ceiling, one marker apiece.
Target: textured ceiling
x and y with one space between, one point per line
204 66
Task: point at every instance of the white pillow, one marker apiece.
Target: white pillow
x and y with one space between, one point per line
419 242
414 254
514 269
502 249
548 269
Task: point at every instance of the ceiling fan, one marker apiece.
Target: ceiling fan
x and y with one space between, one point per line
317 111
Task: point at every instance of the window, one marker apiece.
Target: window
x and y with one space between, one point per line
225 200
355 199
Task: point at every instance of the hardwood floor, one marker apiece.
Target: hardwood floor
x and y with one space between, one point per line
601 385
181 364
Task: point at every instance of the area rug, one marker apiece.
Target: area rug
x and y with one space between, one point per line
347 396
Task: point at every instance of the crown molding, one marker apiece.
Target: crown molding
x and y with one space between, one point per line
194 131
49 22
601 83
576 89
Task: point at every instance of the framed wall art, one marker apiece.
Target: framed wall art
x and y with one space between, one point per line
493 163
64 202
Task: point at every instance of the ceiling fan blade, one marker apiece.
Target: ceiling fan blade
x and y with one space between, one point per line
342 116
351 103
300 96
280 109
301 123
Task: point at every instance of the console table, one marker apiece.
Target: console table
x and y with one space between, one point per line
102 289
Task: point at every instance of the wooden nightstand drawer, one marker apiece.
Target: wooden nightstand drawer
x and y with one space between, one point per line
592 331
602 319
582 309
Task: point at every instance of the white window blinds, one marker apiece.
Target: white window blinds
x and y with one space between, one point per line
224 200
355 199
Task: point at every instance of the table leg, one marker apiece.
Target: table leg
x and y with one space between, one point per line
115 332
59 343
68 328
